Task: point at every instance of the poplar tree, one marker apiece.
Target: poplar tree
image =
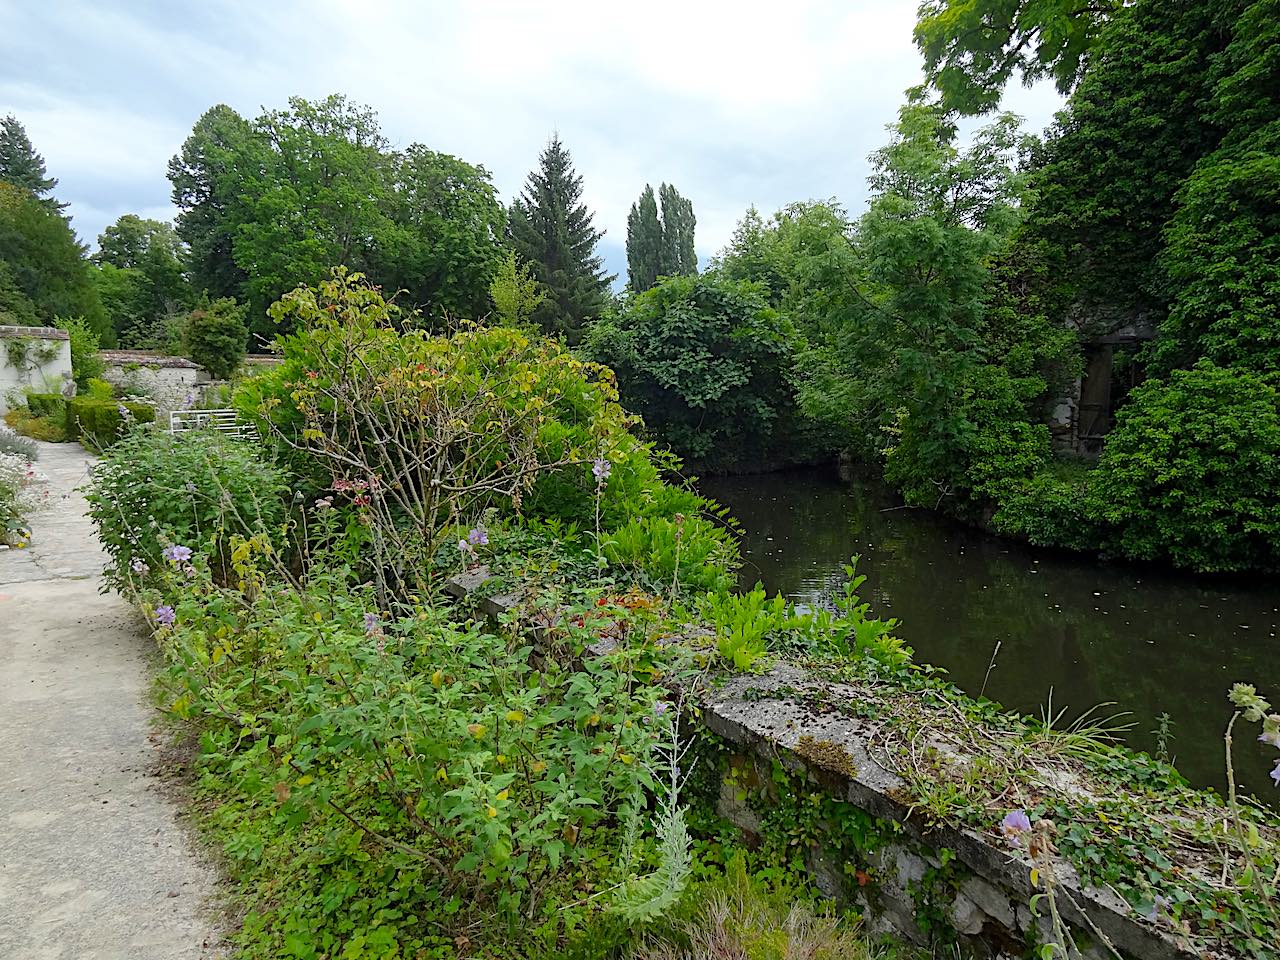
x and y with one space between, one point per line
660 244
551 229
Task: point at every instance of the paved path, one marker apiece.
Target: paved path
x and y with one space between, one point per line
93 862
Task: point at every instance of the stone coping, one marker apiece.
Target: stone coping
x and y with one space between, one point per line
147 358
767 714
8 332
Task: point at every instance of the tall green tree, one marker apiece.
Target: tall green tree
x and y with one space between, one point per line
207 176
679 258
551 229
445 241
45 262
916 375
22 166
660 239
644 242
141 277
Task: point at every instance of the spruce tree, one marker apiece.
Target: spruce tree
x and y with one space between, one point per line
22 166
551 229
660 245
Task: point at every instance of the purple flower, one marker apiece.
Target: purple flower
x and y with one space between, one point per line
165 615
1275 774
1160 903
1014 825
601 468
371 624
478 537
139 566
660 708
1271 736
177 554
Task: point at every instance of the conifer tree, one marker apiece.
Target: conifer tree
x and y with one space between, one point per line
660 245
552 230
22 166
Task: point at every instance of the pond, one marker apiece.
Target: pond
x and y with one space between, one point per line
1068 626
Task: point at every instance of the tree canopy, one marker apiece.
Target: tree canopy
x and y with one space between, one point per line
21 166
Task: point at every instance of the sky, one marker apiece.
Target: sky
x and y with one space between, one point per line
737 104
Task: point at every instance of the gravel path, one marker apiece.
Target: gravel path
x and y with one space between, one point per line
94 864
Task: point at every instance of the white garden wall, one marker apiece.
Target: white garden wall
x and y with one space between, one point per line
31 358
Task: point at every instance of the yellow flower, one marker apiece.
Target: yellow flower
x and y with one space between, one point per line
477 730
503 794
593 720
539 766
437 679
442 776
626 758
491 811
515 716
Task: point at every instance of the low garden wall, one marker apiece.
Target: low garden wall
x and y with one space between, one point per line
172 382
32 357
788 746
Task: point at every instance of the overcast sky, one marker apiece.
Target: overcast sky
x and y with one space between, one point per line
735 103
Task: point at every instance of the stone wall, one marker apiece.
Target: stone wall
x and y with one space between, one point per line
31 357
167 381
904 874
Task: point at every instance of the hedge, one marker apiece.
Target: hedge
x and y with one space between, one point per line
101 422
47 405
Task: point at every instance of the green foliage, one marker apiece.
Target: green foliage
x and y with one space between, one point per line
1192 469
26 424
13 444
21 166
552 230
690 554
515 291
277 201
660 245
445 245
44 262
86 364
971 49
705 361
140 277
849 631
102 423
46 405
744 622
1111 167
1051 509
216 337
929 369
154 489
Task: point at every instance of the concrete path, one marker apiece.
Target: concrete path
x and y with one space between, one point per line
94 864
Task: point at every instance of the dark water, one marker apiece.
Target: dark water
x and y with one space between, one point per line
1150 641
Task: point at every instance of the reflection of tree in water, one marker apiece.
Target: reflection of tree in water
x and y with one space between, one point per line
1090 630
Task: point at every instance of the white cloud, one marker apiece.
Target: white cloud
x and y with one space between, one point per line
735 103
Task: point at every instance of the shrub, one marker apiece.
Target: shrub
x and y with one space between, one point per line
216 337
86 364
47 405
1051 510
22 489
1191 472
12 444
424 433
198 488
102 423
37 428
705 361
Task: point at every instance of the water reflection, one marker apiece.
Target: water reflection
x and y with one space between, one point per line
1085 630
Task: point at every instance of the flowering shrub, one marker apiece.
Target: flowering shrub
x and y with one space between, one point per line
424 433
22 489
185 492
